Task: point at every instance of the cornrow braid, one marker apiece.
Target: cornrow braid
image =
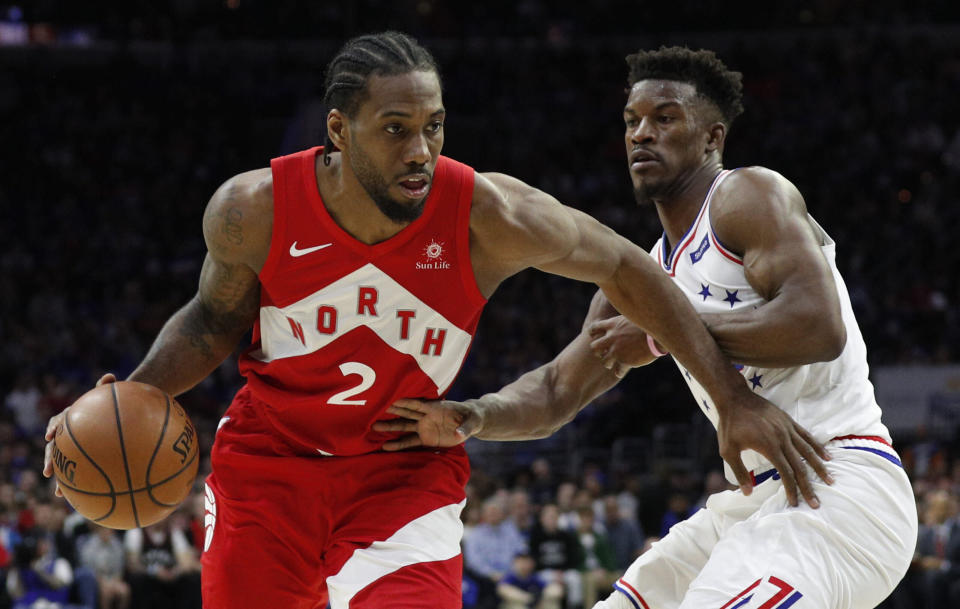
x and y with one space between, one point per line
384 54
703 69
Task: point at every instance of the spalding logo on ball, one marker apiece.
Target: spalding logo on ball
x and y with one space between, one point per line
126 455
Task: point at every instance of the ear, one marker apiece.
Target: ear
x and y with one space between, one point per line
717 135
338 128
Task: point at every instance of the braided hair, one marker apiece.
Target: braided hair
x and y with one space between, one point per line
384 54
703 69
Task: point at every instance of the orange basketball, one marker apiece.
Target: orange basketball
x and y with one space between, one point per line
126 455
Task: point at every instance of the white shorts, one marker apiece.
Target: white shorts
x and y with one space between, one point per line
757 552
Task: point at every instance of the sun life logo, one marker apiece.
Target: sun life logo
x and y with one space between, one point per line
433 257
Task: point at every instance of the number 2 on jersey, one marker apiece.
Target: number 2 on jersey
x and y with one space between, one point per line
367 377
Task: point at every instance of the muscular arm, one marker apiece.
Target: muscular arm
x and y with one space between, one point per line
236 228
541 401
515 226
761 215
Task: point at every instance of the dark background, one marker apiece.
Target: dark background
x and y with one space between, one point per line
120 120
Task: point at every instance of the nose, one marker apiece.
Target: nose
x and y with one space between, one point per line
643 133
417 151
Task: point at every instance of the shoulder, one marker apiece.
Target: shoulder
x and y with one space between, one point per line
755 205
238 220
504 203
756 188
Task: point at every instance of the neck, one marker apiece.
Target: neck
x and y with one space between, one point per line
678 207
350 206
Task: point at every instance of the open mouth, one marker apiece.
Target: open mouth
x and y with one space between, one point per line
415 187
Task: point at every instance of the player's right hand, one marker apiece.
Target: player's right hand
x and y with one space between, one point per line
439 423
53 427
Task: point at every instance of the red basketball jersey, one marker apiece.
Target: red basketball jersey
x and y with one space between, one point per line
347 328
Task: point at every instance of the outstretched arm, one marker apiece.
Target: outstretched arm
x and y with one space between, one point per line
514 227
535 405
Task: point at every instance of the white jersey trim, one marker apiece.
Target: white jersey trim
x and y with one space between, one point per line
279 342
432 537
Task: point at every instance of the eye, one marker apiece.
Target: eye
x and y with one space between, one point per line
664 119
632 122
393 129
435 126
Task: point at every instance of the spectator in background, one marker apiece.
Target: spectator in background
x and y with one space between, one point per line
24 402
162 567
542 483
102 553
48 522
628 499
37 576
624 534
557 554
489 549
938 550
565 496
678 509
523 588
599 564
521 513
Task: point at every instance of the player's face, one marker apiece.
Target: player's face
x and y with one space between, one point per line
664 139
396 137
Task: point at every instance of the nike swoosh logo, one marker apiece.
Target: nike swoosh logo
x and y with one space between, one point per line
296 253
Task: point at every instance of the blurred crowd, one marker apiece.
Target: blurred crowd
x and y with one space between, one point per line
112 150
534 537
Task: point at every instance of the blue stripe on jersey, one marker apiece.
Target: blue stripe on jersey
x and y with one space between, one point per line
620 589
790 601
877 451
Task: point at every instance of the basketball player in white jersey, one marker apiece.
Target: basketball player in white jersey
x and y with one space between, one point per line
362 267
761 273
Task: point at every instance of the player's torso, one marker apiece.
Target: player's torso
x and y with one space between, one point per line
347 328
830 399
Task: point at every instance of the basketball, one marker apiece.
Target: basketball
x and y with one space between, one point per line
126 455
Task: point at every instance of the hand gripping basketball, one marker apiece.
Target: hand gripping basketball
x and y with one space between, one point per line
124 454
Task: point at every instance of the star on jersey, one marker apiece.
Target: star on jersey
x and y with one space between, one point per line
705 291
755 380
705 405
732 297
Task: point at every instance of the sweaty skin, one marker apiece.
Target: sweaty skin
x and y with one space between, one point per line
387 154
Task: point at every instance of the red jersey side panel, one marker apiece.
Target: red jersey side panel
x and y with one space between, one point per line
347 328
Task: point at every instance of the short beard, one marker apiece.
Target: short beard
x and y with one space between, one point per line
645 194
378 190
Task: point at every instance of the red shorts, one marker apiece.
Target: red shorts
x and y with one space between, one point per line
293 530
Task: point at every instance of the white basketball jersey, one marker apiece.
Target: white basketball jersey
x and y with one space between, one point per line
830 399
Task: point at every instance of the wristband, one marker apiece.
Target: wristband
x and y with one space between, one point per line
652 344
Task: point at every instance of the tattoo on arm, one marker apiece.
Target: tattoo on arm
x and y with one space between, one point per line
231 225
194 330
226 308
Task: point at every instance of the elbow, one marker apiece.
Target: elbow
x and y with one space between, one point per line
836 342
832 334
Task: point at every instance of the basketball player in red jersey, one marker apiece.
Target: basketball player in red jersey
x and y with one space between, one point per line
362 267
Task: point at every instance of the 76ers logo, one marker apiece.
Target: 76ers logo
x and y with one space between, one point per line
433 257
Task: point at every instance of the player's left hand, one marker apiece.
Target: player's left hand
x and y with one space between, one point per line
440 423
620 344
754 423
